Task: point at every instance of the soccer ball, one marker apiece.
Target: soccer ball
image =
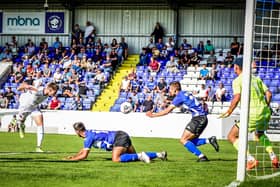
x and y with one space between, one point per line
126 107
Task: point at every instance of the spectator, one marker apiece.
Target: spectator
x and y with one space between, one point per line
265 53
6 55
107 65
185 45
170 45
211 59
14 50
172 66
203 73
3 101
90 32
200 48
125 85
83 89
160 101
229 59
43 44
55 104
76 104
220 58
214 72
159 44
208 47
114 44
10 95
124 46
77 32
161 86
240 51
134 85
154 66
13 124
220 94
38 80
150 85
57 76
158 32
144 58
211 94
132 74
148 104
67 90
57 44
185 59
29 80
195 59
202 93
151 45
99 78
114 60
47 71
234 47
107 50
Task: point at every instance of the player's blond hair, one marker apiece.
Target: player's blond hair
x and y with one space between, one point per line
53 86
176 85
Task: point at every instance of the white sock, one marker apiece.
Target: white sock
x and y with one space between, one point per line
201 155
159 155
40 135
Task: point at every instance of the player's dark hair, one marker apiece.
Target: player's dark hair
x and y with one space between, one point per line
53 86
79 126
176 85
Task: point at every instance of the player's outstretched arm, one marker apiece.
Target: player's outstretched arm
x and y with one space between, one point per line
233 105
80 156
161 113
25 86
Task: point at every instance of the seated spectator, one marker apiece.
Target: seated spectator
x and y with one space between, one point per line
76 104
160 101
211 94
185 45
55 104
150 85
211 59
148 104
3 101
134 85
234 47
195 59
214 72
154 66
13 124
125 85
99 78
200 48
161 86
57 44
265 53
14 50
208 47
160 44
135 101
132 74
43 44
10 95
144 58
31 48
47 71
107 50
203 73
185 59
107 65
67 90
220 58
66 62
172 66
151 45
229 59
38 80
57 76
202 93
170 44
83 90
6 55
220 94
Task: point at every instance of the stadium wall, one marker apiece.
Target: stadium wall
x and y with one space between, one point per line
136 124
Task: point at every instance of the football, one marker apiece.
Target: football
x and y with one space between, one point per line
126 107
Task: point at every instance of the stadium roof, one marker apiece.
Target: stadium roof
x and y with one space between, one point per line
167 3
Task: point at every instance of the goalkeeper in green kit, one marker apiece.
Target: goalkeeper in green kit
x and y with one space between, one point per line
259 114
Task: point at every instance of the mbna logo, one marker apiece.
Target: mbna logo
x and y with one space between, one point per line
20 21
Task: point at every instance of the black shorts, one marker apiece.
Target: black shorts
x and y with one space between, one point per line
197 125
122 139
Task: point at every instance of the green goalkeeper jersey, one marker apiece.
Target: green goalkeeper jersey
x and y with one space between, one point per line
259 110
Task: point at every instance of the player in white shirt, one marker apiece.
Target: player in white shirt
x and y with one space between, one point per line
29 104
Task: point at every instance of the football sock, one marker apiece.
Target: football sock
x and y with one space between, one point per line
199 141
192 148
129 157
152 155
265 142
40 135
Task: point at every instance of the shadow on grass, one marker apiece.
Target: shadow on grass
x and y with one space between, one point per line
37 160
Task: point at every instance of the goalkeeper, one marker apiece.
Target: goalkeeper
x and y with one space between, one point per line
259 114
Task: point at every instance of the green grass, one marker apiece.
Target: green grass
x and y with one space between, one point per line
26 168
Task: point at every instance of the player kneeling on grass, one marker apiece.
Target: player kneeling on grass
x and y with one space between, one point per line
29 104
118 142
259 114
190 138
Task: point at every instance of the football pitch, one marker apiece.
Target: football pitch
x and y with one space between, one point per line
20 166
